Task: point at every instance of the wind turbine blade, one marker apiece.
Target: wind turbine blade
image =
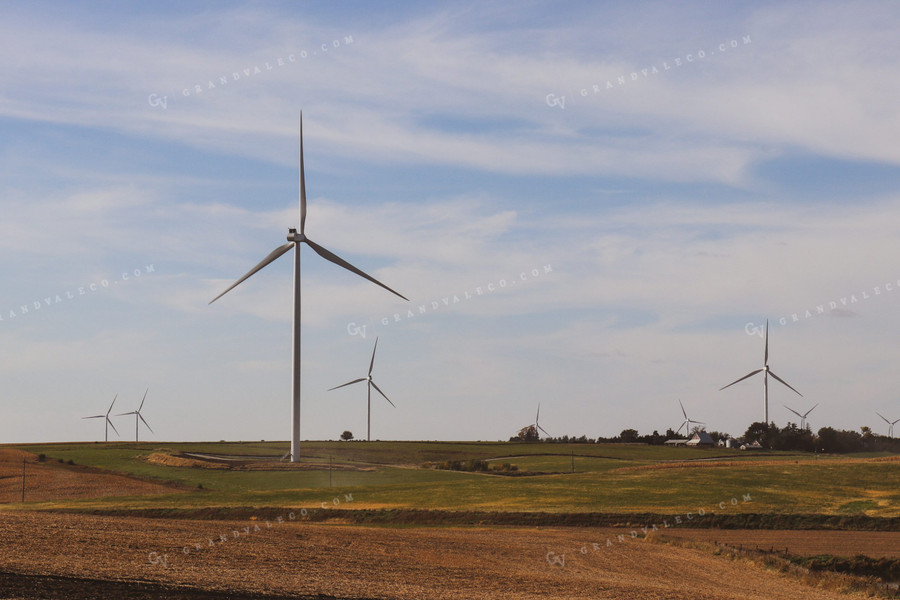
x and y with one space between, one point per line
783 381
372 363
142 401
544 430
134 412
330 256
538 416
877 413
111 404
682 409
698 422
94 417
382 393
348 383
767 343
273 255
111 425
302 181
141 417
750 374
794 411
809 411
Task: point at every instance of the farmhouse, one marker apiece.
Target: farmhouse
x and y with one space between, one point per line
701 439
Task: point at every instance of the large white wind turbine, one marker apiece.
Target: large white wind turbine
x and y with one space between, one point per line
370 383
294 241
108 422
890 424
766 371
138 416
803 416
687 421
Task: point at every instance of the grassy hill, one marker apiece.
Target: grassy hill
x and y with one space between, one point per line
608 478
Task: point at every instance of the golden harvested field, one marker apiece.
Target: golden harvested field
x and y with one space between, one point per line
877 544
53 481
299 559
748 464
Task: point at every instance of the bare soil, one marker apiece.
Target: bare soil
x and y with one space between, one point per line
875 544
84 556
50 480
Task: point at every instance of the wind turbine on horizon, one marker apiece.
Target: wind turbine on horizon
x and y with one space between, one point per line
294 240
766 371
108 422
890 424
687 421
803 416
370 383
537 423
138 416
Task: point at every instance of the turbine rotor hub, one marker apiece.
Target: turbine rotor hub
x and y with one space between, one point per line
293 236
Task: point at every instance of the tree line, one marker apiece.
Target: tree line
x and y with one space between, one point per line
770 436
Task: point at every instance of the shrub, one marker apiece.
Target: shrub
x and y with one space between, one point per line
505 467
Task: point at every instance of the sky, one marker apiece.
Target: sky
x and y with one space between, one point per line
591 206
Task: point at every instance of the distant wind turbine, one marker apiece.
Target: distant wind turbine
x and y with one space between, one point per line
890 424
766 371
537 423
803 416
370 383
138 416
687 421
294 241
108 422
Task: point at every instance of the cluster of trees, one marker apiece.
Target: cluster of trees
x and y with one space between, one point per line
827 439
790 437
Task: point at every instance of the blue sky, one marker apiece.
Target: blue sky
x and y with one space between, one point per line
710 167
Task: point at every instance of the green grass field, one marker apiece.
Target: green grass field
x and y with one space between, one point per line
616 478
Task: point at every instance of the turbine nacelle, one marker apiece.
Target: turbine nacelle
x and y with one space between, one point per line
295 237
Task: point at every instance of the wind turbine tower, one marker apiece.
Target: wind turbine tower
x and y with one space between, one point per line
294 241
890 424
138 416
766 371
370 383
108 422
686 424
803 416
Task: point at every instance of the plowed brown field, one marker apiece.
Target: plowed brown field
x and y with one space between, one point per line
877 544
299 559
46 481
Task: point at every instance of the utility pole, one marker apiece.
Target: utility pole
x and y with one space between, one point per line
23 480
